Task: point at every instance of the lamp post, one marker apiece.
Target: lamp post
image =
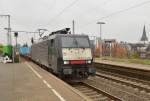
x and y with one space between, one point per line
100 25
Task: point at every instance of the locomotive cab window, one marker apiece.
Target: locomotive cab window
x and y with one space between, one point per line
83 42
76 42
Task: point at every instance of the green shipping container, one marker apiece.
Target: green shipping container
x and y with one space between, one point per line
1 49
7 50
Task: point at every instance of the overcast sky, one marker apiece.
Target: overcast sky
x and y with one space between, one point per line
29 15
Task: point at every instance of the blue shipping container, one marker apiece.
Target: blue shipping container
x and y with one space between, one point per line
24 50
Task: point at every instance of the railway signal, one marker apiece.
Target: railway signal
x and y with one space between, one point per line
16 35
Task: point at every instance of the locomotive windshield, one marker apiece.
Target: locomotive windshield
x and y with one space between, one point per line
76 42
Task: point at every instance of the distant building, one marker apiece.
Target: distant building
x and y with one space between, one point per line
139 49
110 47
148 48
107 47
148 51
135 47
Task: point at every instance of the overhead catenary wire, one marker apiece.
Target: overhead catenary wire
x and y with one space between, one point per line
92 9
116 13
107 1
63 10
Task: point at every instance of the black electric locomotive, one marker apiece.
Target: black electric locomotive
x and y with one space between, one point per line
68 55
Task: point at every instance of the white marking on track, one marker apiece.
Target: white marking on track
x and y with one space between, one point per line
46 83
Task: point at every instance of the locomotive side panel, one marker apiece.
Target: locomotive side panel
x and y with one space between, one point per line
43 53
39 53
52 55
34 52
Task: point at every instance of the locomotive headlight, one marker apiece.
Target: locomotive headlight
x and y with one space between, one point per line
89 61
66 62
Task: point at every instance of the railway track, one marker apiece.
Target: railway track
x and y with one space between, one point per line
137 74
122 82
103 88
121 87
95 94
136 83
125 79
119 90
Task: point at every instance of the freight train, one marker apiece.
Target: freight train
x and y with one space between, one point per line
67 55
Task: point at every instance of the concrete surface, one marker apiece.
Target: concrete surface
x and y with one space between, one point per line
28 82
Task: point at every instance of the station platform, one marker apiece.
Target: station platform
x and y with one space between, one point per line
122 64
28 82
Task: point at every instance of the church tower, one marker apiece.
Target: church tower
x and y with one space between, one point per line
144 37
